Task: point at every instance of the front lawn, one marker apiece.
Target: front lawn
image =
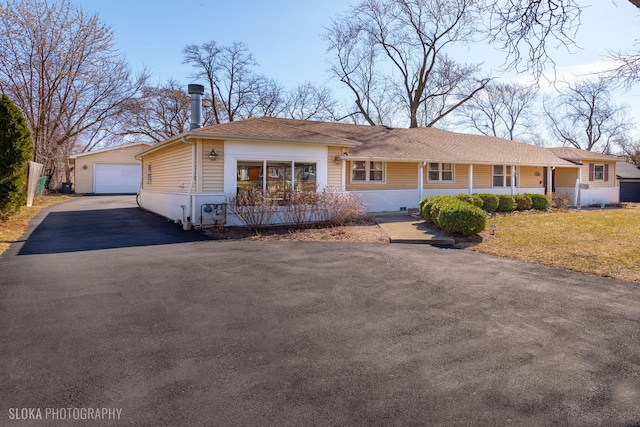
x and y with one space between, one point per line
14 227
603 242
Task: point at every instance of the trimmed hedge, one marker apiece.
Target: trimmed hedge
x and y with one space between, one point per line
474 199
538 201
523 202
426 206
462 218
453 215
489 201
506 203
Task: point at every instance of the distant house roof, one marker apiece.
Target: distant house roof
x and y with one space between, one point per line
118 147
381 142
577 155
626 170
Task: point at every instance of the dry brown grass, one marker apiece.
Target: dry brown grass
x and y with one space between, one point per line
603 242
14 227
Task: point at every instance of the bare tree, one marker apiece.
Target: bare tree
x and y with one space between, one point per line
269 98
390 54
159 113
310 102
504 110
630 149
530 31
583 116
60 67
229 73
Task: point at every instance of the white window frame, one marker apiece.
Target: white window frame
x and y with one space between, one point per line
506 173
368 169
595 172
440 171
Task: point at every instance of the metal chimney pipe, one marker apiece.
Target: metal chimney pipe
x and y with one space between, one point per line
196 91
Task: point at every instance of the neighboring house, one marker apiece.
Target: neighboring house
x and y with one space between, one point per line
629 177
113 170
391 169
596 180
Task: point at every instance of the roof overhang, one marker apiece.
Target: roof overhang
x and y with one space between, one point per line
104 150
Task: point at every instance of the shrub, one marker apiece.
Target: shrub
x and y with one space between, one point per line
506 203
253 206
489 201
523 202
15 152
560 201
473 199
539 201
462 218
427 210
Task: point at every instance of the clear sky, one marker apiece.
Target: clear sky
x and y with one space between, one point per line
285 36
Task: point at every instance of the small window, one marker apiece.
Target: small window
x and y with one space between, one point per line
363 171
440 172
502 176
148 173
598 172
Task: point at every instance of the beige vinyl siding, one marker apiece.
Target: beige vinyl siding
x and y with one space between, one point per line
566 177
334 171
460 179
169 168
398 176
612 173
527 177
83 178
482 177
212 171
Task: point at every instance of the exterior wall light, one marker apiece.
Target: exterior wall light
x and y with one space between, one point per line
213 155
85 167
340 157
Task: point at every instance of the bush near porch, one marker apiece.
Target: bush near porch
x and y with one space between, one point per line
459 219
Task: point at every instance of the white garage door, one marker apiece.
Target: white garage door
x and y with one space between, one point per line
116 178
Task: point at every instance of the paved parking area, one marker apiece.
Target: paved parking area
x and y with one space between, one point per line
178 331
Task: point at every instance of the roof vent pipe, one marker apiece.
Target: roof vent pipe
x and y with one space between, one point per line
196 92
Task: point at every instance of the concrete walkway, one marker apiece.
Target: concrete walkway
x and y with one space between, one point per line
402 227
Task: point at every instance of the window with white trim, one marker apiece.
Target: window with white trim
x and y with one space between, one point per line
502 176
148 173
598 172
440 172
366 171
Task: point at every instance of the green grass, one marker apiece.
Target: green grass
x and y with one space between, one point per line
602 242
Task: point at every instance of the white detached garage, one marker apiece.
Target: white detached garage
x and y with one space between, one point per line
113 170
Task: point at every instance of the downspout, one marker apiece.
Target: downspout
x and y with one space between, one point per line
186 221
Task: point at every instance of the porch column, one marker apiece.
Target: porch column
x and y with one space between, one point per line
550 180
513 180
343 177
576 194
420 180
470 178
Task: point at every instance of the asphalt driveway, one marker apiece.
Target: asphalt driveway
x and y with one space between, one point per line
134 314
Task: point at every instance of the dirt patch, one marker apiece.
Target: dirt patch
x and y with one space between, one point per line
365 230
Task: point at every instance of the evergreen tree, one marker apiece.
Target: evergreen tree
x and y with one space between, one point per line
15 152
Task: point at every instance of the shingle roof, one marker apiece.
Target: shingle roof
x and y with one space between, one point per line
268 128
384 143
429 144
575 154
626 170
